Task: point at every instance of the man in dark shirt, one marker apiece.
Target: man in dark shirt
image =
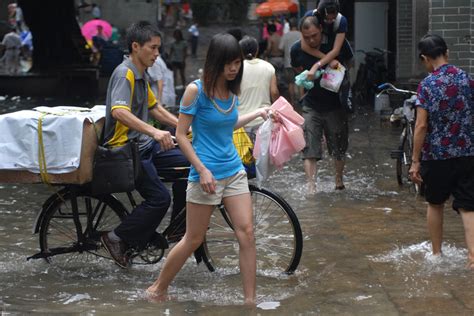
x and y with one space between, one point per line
322 109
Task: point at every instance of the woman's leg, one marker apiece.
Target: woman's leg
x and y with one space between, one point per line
468 221
239 208
197 221
435 226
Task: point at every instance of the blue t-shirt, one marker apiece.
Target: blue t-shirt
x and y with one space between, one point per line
447 94
212 135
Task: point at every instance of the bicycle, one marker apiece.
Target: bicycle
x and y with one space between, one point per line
371 72
72 220
406 115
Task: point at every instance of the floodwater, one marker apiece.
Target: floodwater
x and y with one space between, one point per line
366 251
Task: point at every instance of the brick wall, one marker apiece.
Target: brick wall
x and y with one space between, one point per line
454 21
404 38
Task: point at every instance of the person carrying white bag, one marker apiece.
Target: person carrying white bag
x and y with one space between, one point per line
321 108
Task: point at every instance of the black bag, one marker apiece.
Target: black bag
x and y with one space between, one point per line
115 169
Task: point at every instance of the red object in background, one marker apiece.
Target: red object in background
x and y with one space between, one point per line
264 9
89 29
274 7
186 8
283 7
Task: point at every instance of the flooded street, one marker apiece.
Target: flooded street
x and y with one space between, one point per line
366 251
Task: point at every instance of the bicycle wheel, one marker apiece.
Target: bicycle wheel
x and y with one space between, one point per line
59 234
278 236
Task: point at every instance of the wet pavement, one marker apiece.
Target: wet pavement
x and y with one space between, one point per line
366 251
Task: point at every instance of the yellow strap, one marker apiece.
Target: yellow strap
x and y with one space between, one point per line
41 155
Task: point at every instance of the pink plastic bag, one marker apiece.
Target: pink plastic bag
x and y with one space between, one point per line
281 149
295 133
284 108
287 140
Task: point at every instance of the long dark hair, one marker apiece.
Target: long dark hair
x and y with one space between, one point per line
222 50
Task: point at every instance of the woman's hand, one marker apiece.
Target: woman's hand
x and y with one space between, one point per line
207 181
414 172
264 112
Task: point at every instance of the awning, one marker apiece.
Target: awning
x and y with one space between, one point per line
274 7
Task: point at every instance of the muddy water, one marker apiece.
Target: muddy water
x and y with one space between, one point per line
366 251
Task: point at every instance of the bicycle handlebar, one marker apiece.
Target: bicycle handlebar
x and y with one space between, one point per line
387 86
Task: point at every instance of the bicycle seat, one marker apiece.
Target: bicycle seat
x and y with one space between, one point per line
173 173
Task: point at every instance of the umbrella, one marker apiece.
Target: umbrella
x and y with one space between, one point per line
264 9
89 29
279 7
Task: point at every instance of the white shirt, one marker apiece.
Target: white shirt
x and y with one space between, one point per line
193 30
157 72
255 87
285 45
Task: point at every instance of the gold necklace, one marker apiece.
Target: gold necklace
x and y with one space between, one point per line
218 108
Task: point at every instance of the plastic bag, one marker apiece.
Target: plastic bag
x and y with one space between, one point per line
284 108
261 152
287 135
332 78
244 146
300 80
287 139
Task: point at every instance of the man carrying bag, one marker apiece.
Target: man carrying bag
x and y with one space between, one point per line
129 101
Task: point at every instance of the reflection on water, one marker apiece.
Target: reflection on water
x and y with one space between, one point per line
365 252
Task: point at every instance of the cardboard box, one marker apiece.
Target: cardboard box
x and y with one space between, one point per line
81 175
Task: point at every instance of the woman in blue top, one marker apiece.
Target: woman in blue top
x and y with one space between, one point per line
209 106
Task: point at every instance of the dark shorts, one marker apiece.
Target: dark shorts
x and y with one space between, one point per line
452 176
333 125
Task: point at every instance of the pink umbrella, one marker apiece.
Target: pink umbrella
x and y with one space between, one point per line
89 29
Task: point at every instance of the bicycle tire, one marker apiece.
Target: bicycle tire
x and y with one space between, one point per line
278 236
58 232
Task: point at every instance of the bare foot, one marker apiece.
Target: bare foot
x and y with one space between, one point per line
470 265
250 302
155 296
339 184
311 188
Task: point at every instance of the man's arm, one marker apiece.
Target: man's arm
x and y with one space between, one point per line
160 90
131 121
159 113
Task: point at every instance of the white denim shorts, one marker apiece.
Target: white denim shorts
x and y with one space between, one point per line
233 185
